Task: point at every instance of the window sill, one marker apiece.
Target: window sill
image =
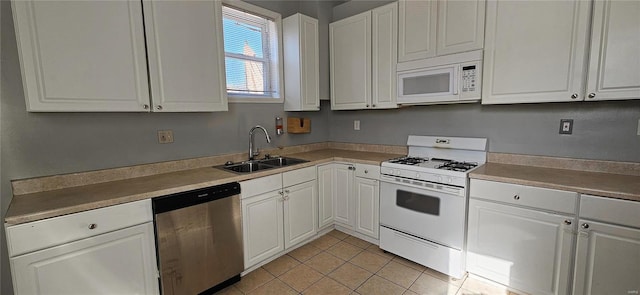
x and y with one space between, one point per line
251 99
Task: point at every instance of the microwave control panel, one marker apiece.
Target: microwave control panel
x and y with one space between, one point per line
469 78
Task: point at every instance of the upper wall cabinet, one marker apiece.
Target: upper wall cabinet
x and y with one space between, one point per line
614 64
433 28
549 63
301 63
186 56
89 56
363 56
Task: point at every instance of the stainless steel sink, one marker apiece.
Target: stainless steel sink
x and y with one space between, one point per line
258 165
282 161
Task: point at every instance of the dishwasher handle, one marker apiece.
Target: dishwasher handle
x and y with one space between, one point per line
194 197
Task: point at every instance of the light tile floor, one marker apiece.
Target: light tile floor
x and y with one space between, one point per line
337 263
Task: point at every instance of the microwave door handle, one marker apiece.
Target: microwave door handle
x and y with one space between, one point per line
455 79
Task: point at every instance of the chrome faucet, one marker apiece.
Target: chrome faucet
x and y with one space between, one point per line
251 152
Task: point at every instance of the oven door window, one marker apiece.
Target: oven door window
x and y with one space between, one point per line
418 202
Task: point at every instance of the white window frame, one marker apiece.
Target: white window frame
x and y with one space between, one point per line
275 50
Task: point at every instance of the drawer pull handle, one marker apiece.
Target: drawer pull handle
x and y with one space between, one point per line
93 226
516 197
567 222
585 225
366 171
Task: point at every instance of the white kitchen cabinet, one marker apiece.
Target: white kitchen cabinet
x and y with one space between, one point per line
90 56
74 254
262 226
434 28
278 211
119 262
326 194
367 199
82 55
344 201
521 236
301 63
362 60
529 58
186 55
300 212
608 248
614 62
525 249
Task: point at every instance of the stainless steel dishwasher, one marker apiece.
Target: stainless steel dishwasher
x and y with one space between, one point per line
199 239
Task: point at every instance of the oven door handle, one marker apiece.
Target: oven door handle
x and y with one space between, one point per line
445 189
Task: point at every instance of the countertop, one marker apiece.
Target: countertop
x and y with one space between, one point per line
611 185
47 204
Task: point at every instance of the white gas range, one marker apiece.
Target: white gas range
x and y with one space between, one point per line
423 200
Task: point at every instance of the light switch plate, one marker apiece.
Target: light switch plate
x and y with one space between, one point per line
566 126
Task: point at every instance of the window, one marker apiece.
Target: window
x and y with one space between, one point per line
252 53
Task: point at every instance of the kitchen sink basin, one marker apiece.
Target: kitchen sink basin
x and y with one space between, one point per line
258 165
247 167
282 161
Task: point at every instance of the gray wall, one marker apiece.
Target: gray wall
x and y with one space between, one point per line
38 144
602 130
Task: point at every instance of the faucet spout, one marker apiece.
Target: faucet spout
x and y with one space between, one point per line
252 153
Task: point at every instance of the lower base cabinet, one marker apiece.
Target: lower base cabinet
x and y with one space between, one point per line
278 212
608 247
525 249
119 262
367 199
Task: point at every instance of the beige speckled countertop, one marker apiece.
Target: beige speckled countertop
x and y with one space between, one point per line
604 184
46 204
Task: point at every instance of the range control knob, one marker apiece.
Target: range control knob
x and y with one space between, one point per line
397 172
439 178
449 180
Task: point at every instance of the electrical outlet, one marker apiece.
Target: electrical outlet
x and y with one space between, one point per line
165 136
356 125
566 126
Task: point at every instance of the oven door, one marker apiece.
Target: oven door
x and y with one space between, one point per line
429 214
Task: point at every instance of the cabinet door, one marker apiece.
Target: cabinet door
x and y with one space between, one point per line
262 227
460 26
350 62
607 259
614 68
82 56
367 195
529 58
343 190
300 39
521 248
417 29
186 59
384 38
119 262
300 212
326 197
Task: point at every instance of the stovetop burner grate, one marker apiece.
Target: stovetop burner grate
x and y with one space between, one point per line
457 166
408 160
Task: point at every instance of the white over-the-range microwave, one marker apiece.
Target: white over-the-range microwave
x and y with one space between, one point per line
454 78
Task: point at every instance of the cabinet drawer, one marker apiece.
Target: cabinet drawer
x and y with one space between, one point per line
616 211
28 237
368 171
542 198
260 185
298 176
